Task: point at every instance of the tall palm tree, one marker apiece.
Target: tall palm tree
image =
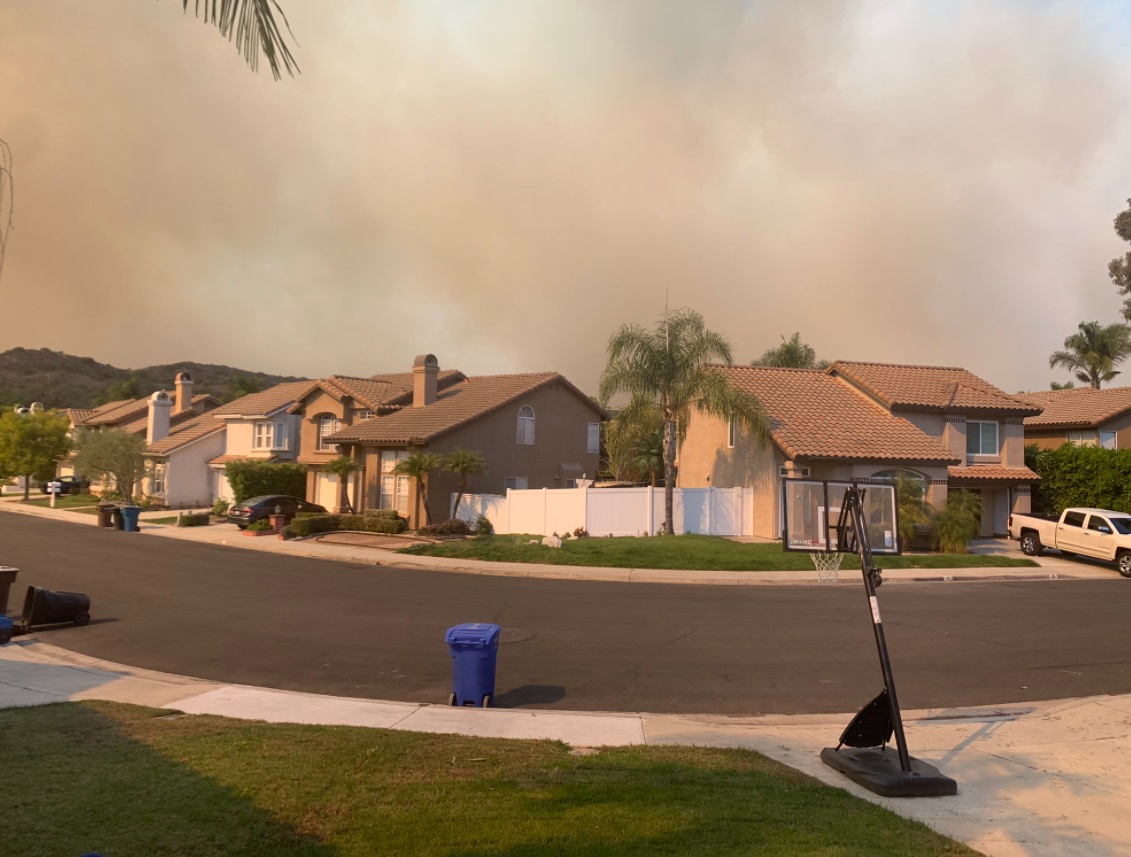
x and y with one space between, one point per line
1092 354
343 467
464 463
419 466
668 370
251 24
791 354
649 454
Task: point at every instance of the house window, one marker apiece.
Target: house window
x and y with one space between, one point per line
730 433
516 482
264 437
157 479
526 425
1109 440
362 416
280 438
394 486
593 439
327 425
981 438
1082 438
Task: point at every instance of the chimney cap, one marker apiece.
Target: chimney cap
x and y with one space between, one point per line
183 377
160 396
426 361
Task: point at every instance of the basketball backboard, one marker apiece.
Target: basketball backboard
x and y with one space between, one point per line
812 510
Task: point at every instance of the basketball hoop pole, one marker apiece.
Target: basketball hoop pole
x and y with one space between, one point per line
871 575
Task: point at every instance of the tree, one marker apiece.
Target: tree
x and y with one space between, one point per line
958 523
114 453
32 444
667 371
791 354
343 467
1061 385
251 24
1092 353
1120 269
419 466
649 454
242 385
464 463
130 388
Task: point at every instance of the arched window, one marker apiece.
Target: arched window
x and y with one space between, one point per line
526 425
908 477
327 425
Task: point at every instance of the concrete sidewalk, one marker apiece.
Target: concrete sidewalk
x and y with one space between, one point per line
1043 780
1051 567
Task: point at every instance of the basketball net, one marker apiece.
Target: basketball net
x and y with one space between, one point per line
827 564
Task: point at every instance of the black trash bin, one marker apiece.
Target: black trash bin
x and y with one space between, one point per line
106 514
46 607
118 518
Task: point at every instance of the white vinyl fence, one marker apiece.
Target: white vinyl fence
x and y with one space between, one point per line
613 511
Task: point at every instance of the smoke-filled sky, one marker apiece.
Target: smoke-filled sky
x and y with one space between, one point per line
504 182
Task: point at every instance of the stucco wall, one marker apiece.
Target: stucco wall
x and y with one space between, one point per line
188 477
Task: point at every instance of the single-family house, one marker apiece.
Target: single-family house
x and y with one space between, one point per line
535 430
1083 416
944 427
257 427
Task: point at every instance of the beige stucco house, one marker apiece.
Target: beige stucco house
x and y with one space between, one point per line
1083 416
861 421
535 430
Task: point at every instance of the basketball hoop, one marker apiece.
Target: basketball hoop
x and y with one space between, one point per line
827 564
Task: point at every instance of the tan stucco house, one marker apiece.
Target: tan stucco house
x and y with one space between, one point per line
535 430
1083 416
860 421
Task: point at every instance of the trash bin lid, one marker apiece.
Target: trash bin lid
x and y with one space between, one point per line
473 634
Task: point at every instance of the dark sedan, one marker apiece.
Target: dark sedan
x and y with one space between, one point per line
257 508
67 485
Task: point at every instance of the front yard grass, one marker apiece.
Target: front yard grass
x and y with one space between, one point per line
65 501
124 780
690 552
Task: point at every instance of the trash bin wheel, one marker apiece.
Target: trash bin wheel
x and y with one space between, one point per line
451 699
5 636
487 700
82 618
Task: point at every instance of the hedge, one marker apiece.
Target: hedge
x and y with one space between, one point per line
1085 476
367 522
194 519
256 478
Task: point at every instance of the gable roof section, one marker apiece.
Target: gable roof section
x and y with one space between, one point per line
936 387
379 392
457 405
265 402
814 414
113 413
1079 408
185 433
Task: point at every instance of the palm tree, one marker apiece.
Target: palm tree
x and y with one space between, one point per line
251 24
791 354
464 463
419 466
343 467
1092 353
649 454
668 371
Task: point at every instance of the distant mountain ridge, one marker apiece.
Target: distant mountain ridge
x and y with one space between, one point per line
61 380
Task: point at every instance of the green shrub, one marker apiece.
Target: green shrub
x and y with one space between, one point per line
256 478
452 527
388 523
260 526
194 519
309 525
483 526
959 522
1085 476
220 507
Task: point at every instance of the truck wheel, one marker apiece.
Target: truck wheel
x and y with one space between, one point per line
1123 563
1031 544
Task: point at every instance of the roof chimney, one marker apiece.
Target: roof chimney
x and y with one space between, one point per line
157 427
184 392
424 372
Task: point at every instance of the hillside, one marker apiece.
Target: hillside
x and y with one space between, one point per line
63 381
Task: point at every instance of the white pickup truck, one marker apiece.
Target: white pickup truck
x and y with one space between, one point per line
1097 533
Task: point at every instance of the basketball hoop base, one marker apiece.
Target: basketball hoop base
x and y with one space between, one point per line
877 769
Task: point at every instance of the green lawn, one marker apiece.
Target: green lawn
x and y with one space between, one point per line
65 501
679 552
136 782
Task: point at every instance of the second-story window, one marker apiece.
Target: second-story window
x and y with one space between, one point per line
981 438
264 437
279 440
730 433
365 415
526 425
327 425
593 438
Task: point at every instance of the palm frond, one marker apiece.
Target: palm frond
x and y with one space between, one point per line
251 25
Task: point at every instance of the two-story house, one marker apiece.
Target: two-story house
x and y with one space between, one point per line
943 427
257 427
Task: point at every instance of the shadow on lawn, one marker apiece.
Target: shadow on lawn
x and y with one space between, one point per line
86 785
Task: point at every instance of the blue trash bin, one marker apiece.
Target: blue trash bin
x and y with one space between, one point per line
474 648
129 518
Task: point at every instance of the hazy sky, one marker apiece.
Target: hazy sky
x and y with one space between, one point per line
504 182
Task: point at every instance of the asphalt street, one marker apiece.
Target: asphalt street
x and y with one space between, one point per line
248 617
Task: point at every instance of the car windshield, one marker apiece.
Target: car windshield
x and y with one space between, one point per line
1122 525
259 501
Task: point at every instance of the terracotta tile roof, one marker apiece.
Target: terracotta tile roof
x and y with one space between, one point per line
265 401
77 415
944 387
1084 407
113 413
378 392
460 403
184 434
817 415
990 471
141 425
